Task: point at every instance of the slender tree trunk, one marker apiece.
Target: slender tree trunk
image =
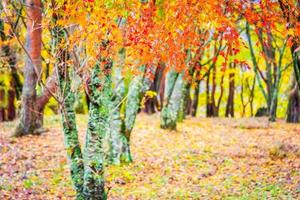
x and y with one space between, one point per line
151 102
137 88
116 133
162 87
11 109
296 59
42 100
213 92
187 98
2 105
70 133
244 104
217 107
230 100
132 107
208 98
252 94
293 110
255 64
169 114
116 122
194 106
32 70
154 104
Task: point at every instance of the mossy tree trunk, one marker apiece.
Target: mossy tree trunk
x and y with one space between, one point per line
185 101
98 127
116 136
169 114
134 98
68 117
70 132
137 88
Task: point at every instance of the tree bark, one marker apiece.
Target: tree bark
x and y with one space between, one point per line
230 100
11 109
137 88
98 127
208 99
72 144
68 116
42 100
185 101
116 121
32 70
154 104
169 114
293 110
194 106
2 105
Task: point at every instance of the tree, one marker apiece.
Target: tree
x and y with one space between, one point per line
169 113
293 104
230 99
32 71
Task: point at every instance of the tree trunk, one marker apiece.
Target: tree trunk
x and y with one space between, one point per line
162 88
72 144
27 124
194 106
296 58
68 117
116 122
230 100
169 114
132 107
208 99
293 110
151 102
11 109
116 134
137 87
49 89
154 104
185 101
2 105
252 95
98 127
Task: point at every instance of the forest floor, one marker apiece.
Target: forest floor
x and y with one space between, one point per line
204 159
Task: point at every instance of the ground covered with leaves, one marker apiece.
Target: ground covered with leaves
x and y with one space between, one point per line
204 159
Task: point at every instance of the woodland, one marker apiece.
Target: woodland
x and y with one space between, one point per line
149 99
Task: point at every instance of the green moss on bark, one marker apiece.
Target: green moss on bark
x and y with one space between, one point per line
169 114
